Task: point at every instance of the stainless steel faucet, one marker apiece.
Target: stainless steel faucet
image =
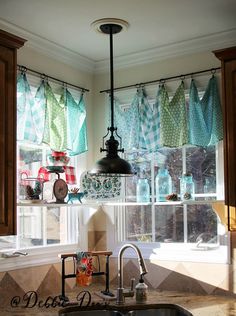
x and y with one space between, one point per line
143 270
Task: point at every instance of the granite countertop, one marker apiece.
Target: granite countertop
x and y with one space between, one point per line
198 305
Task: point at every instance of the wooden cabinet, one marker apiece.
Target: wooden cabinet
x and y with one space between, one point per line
8 68
228 64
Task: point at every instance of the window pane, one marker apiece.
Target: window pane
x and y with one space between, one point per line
55 227
141 163
138 223
171 159
169 223
30 226
201 162
202 224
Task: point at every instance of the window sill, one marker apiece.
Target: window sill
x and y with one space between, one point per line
180 252
118 203
36 257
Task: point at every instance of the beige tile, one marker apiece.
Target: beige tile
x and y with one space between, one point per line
211 274
156 274
51 284
2 274
29 279
8 289
179 282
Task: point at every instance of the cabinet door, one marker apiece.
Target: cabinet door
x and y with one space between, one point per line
228 63
7 142
8 45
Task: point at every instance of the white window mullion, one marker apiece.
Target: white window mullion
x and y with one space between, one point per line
44 226
153 197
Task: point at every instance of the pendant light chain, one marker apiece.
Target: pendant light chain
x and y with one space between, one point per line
111 80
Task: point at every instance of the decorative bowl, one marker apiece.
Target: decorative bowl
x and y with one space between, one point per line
58 160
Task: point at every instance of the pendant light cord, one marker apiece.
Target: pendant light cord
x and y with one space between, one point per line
111 81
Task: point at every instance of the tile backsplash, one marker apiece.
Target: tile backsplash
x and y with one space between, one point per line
199 278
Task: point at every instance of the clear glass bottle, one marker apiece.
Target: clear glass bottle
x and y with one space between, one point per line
187 190
143 190
163 184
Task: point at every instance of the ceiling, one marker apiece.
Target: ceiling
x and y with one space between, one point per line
156 26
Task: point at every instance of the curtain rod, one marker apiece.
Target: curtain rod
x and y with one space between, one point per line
42 75
212 70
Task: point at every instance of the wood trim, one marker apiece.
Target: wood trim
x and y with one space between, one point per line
228 66
11 41
226 54
92 253
8 70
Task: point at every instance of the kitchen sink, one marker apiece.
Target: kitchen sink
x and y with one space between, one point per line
92 313
158 310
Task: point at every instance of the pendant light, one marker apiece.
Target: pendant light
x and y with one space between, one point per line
112 164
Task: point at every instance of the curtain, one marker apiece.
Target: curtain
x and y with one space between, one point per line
149 123
171 122
127 123
55 134
76 114
173 118
25 122
44 119
205 115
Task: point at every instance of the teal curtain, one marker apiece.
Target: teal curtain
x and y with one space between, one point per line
25 122
205 115
149 123
173 118
39 117
127 123
44 119
76 123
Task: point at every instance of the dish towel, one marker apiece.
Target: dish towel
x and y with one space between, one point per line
205 115
173 118
84 268
25 127
149 124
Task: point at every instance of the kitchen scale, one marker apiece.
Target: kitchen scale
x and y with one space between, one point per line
60 187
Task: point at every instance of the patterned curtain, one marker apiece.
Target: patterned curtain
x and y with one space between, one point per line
127 123
205 115
43 119
149 123
173 118
76 114
171 123
25 120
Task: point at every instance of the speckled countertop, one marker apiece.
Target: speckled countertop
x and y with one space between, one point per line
198 305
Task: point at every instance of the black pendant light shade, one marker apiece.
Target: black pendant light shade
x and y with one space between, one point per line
112 164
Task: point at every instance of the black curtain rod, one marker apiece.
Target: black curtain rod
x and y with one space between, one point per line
213 70
43 76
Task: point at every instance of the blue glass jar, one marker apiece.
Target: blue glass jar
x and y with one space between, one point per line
187 190
163 185
143 190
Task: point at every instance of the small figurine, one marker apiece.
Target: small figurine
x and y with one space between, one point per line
74 195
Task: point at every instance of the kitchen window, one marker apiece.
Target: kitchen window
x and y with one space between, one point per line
176 230
188 230
43 229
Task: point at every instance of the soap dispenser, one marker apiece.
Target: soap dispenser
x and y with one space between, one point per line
141 291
